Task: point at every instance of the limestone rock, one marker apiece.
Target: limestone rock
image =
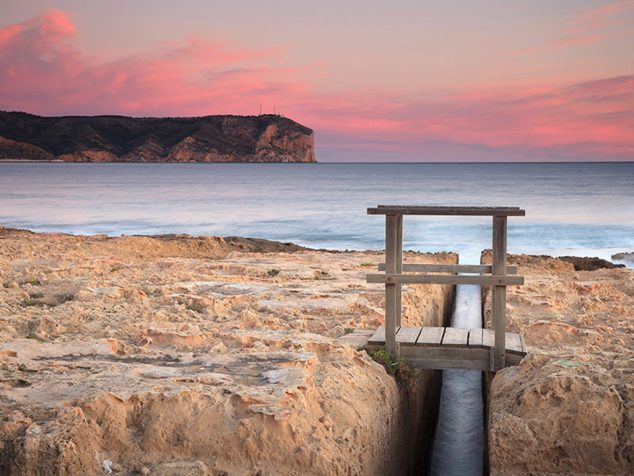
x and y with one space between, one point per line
264 138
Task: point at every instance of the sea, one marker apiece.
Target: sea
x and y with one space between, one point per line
582 209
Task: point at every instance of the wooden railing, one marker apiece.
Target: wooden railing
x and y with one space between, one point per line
497 275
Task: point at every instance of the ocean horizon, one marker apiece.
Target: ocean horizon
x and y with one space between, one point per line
581 208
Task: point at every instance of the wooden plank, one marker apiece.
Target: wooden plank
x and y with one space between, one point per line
475 338
445 364
408 335
484 280
488 338
442 364
444 352
513 343
498 315
449 268
378 338
455 337
446 357
430 336
514 359
399 268
475 358
390 288
434 210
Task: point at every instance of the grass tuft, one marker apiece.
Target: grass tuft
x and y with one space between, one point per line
35 337
395 367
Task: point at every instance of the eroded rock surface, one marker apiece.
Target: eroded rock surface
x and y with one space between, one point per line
180 355
569 407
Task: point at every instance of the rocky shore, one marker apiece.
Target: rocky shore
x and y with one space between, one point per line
229 356
180 355
568 408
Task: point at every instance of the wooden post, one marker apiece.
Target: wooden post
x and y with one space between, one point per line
399 268
390 289
498 305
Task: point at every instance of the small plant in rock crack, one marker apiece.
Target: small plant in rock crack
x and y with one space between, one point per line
396 367
384 358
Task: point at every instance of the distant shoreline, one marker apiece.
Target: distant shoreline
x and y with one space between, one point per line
5 230
550 162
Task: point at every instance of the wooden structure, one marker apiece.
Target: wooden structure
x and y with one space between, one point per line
438 347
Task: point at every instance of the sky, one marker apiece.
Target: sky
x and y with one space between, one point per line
438 80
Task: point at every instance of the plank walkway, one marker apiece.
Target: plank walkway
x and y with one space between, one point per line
450 347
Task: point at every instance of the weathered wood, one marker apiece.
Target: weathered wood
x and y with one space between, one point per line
399 268
513 358
449 268
499 291
378 338
431 354
446 357
408 335
475 338
434 210
483 280
390 288
445 364
513 343
488 338
430 336
455 337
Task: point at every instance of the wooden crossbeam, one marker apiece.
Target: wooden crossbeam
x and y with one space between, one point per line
434 210
483 280
449 268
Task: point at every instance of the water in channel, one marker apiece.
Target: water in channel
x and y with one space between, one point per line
458 447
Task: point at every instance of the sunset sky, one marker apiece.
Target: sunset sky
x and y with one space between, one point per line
438 80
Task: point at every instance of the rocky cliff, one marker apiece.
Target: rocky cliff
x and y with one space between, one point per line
265 138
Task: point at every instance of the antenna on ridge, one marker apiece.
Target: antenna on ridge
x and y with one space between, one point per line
273 109
260 109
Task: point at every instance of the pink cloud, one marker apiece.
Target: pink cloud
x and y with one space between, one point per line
604 16
591 120
41 71
592 26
